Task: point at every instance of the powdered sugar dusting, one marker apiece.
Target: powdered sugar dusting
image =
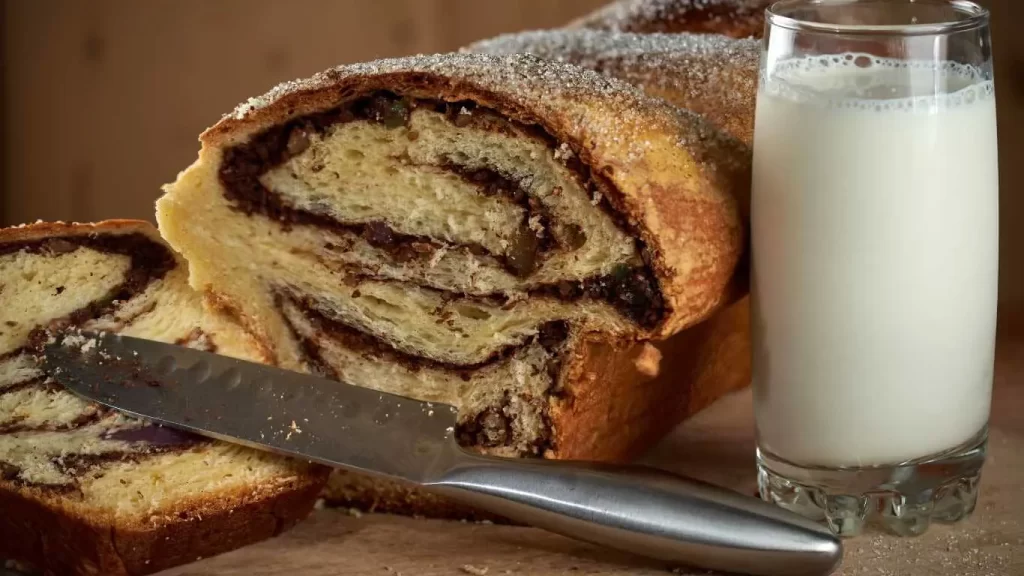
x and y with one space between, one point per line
709 73
668 60
599 108
738 18
520 75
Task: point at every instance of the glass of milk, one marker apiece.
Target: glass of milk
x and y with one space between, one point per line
874 230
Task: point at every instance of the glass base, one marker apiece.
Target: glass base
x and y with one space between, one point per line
905 498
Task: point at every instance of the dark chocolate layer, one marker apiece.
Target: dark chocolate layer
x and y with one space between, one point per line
75 465
489 429
32 382
527 245
81 420
551 335
638 298
150 261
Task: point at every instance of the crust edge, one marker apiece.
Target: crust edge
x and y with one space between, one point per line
59 541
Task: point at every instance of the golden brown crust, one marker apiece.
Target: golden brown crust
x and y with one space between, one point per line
712 75
611 408
713 356
735 18
39 531
227 307
678 179
40 230
382 496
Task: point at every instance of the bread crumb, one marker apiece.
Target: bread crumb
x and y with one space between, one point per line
536 224
648 362
563 152
474 570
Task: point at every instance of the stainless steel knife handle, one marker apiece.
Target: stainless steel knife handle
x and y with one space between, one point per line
647 512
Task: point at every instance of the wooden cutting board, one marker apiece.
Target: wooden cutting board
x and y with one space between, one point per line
716 446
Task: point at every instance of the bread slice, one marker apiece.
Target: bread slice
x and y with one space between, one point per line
710 74
498 233
735 18
87 491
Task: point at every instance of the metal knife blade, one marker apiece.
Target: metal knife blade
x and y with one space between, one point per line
256 405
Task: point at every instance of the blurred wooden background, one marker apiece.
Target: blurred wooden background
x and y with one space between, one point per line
103 99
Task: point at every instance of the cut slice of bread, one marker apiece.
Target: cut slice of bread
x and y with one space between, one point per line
84 490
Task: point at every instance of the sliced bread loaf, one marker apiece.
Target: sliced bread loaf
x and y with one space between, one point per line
87 491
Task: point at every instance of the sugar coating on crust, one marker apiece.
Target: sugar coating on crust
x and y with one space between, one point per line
684 62
520 76
664 15
526 80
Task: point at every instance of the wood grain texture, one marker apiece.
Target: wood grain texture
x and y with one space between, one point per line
716 446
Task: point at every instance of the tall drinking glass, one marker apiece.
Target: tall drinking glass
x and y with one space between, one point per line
875 259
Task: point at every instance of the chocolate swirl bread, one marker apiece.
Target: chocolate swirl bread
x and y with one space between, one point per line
84 490
735 18
710 74
498 233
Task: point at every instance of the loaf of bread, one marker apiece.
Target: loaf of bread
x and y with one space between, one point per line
498 233
710 74
735 18
87 491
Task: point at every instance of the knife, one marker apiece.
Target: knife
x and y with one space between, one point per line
636 509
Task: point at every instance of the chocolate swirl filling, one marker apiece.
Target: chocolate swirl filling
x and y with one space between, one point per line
149 261
489 429
633 291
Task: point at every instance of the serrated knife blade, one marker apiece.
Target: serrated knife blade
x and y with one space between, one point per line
634 509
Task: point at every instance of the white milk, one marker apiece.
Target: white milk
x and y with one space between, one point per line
875 224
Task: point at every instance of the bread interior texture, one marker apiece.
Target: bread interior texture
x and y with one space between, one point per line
435 251
102 466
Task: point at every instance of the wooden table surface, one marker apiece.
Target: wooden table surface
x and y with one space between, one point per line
716 446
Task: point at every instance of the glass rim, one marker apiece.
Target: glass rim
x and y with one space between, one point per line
975 16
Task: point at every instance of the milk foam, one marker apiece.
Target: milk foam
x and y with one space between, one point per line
875 259
869 83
